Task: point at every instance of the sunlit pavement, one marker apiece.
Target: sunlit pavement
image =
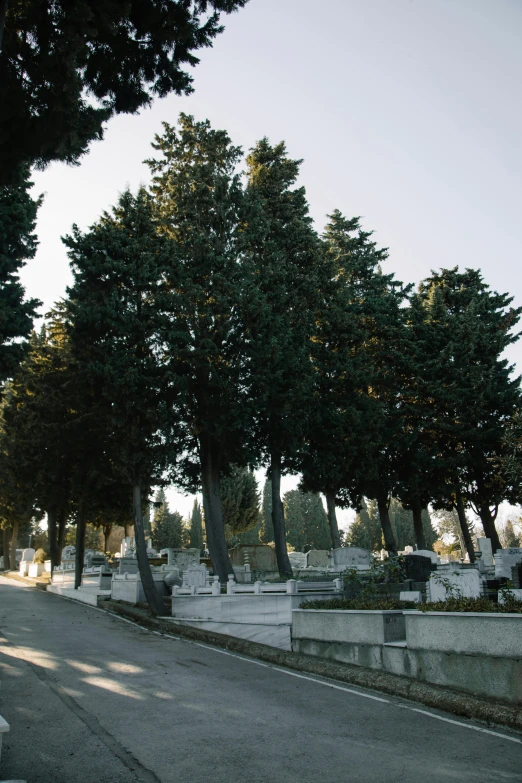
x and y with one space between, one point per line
94 699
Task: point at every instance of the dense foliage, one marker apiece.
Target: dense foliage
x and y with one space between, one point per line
68 67
210 330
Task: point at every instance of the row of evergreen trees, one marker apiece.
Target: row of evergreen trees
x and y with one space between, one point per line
209 326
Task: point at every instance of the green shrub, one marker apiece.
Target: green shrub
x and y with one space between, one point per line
361 603
40 556
472 605
451 605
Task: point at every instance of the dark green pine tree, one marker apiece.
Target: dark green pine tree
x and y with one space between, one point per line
280 303
357 356
166 524
121 310
240 499
366 531
121 55
306 521
406 533
196 527
473 394
266 535
199 206
17 245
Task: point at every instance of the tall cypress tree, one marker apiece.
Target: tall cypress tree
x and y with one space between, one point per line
266 534
279 313
306 521
166 524
121 316
472 392
17 245
357 356
196 527
199 206
240 501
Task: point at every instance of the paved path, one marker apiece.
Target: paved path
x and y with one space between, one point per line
94 699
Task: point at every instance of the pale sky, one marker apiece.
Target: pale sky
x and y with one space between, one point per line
406 113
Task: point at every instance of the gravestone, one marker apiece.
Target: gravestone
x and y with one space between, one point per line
196 576
317 558
427 553
28 555
181 558
484 546
297 559
454 582
505 559
128 565
68 553
349 557
411 595
260 556
418 567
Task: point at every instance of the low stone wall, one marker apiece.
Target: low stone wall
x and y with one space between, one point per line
479 654
265 618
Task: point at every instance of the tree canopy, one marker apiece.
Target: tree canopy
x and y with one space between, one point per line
66 68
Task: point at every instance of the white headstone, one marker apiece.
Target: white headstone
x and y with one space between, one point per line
458 583
484 546
317 558
196 576
297 559
349 557
68 553
28 555
505 559
411 595
182 558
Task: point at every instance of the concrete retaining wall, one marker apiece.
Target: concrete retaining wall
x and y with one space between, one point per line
479 654
265 618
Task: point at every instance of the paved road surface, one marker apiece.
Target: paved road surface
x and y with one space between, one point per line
94 699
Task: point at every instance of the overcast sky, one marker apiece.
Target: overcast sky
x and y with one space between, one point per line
406 112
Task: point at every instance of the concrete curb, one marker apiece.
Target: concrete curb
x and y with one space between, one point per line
435 696
24 580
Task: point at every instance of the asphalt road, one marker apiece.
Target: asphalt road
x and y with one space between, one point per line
94 699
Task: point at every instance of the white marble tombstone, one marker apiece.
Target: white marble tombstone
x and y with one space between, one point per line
349 557
297 559
484 546
505 559
317 558
454 582
427 553
196 576
28 555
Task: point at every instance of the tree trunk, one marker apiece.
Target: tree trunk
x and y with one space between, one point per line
488 523
81 524
3 11
384 516
14 542
464 527
278 518
152 595
107 530
62 524
214 525
53 538
7 559
332 519
418 527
